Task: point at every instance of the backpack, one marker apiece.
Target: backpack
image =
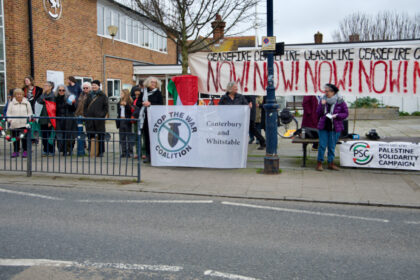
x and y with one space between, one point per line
285 116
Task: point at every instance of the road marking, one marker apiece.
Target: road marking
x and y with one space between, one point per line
305 212
58 263
412 222
213 273
31 194
145 201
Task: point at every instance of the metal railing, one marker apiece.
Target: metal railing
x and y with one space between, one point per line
71 151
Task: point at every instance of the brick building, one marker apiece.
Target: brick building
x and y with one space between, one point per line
71 38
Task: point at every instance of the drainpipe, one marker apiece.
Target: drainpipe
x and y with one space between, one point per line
31 39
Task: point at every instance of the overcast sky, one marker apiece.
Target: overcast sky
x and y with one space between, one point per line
297 21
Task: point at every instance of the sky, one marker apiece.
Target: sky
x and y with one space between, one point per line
296 21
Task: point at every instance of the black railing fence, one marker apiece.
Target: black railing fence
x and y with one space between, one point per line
69 148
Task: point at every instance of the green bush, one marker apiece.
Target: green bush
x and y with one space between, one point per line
416 113
366 102
402 114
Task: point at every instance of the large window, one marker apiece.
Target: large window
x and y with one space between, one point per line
114 87
131 28
81 80
2 58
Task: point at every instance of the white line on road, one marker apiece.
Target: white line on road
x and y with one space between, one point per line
145 201
213 273
31 194
412 222
305 212
58 263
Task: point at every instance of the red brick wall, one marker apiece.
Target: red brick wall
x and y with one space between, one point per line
70 44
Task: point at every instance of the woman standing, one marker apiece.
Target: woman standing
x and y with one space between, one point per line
45 123
332 110
19 107
150 96
66 129
124 112
31 91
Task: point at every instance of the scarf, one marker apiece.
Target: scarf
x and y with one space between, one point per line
332 102
142 114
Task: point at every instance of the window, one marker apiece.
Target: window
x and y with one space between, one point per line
131 28
113 87
81 80
2 58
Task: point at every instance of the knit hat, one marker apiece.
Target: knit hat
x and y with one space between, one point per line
96 82
332 87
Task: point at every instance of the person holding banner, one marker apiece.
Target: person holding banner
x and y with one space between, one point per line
232 97
332 111
151 95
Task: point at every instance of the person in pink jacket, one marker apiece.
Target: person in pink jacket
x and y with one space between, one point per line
19 107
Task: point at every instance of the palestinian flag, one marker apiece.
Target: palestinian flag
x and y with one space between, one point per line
51 111
184 89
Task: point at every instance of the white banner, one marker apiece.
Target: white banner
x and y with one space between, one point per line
358 69
199 136
372 154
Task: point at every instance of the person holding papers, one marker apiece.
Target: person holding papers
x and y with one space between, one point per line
232 97
332 110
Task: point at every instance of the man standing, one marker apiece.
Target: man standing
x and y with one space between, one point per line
96 106
86 88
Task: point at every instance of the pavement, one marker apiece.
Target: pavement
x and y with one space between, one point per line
376 187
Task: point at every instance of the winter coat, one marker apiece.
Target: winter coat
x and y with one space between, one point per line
238 99
41 100
65 110
36 93
128 113
342 113
96 106
16 109
310 116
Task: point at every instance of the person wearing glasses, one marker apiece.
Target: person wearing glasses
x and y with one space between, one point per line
66 129
96 106
150 96
332 111
18 107
45 123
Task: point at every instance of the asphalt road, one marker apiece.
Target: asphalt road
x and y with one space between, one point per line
63 233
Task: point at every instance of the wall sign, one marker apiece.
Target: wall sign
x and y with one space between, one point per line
54 8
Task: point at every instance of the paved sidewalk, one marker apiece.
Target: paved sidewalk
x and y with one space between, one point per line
354 186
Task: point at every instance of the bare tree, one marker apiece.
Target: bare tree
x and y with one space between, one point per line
187 22
385 25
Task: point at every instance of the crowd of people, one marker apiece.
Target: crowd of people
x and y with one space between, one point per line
71 104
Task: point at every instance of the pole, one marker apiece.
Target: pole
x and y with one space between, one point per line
271 159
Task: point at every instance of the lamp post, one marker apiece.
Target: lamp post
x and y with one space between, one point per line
271 159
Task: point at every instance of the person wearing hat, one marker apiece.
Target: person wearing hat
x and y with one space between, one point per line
332 111
96 106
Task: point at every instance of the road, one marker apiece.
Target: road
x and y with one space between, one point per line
79 233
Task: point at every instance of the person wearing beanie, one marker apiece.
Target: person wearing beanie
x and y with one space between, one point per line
96 106
331 111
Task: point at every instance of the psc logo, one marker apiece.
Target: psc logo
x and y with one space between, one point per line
361 153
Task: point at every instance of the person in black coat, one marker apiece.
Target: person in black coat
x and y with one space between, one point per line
32 92
66 129
124 110
96 106
153 97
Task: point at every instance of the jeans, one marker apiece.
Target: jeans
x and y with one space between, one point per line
327 139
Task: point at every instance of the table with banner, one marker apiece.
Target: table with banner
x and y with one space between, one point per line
199 136
380 154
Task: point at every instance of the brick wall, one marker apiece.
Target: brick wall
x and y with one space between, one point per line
70 44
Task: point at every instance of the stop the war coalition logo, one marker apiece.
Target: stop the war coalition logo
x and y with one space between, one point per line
361 153
174 131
